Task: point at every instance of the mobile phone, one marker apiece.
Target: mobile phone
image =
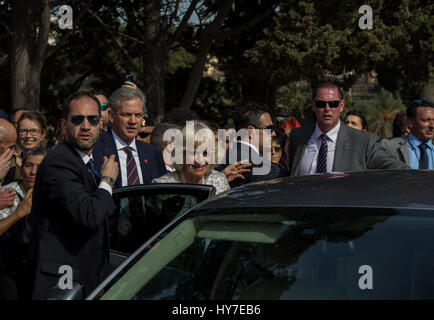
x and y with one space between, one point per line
129 78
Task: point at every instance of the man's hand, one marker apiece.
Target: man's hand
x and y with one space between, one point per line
25 206
128 84
235 170
5 162
6 197
110 167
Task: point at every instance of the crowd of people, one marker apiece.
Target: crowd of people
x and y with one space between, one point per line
54 203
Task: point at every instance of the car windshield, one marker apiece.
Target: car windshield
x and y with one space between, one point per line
287 253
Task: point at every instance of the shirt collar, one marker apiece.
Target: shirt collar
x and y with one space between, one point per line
84 156
250 145
120 144
415 142
332 134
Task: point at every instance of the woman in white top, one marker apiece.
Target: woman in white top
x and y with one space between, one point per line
200 153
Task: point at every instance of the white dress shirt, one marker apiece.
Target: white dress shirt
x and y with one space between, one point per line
103 185
310 157
123 158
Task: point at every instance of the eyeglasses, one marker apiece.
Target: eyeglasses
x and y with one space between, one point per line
33 132
78 119
269 127
422 102
144 135
322 104
104 106
276 148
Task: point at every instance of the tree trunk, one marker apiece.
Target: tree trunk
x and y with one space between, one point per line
30 27
201 57
155 60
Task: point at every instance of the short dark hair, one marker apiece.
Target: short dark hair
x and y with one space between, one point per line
412 108
39 150
329 85
158 133
75 96
34 116
248 114
359 114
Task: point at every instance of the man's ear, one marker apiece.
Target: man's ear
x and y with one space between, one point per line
63 124
342 105
111 115
410 122
250 131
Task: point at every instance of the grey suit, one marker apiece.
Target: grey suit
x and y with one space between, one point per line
355 151
398 148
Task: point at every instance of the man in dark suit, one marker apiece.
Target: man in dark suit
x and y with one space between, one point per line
417 149
71 202
254 129
332 146
139 162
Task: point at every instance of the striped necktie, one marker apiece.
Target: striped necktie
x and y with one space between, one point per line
321 165
132 173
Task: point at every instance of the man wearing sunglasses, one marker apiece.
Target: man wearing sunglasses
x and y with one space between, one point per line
416 149
139 162
254 131
332 146
105 107
71 204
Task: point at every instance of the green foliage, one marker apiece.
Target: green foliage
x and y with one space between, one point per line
381 112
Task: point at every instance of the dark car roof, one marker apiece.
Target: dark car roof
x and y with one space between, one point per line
377 188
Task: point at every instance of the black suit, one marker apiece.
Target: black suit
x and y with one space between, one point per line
245 152
151 158
69 219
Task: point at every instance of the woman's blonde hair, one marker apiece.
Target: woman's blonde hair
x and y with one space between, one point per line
195 134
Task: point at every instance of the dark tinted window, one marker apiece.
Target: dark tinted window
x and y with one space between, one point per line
302 253
140 213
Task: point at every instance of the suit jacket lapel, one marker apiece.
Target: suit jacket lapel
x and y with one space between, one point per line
301 148
142 157
403 149
342 146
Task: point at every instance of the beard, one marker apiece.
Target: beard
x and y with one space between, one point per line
84 146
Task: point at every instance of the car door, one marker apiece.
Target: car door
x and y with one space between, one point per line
141 211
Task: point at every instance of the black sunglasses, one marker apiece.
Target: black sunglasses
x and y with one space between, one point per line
422 102
269 127
104 106
322 104
78 119
144 135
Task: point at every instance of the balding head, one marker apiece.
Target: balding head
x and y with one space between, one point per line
8 135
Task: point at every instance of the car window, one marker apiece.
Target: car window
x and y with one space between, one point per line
304 253
143 211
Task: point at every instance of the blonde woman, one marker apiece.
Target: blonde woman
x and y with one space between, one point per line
200 154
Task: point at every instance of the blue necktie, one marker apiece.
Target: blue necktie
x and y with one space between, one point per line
423 160
93 173
321 165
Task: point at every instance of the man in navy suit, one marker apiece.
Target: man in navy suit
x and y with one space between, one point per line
139 162
71 203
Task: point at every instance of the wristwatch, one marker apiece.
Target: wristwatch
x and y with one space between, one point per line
110 180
